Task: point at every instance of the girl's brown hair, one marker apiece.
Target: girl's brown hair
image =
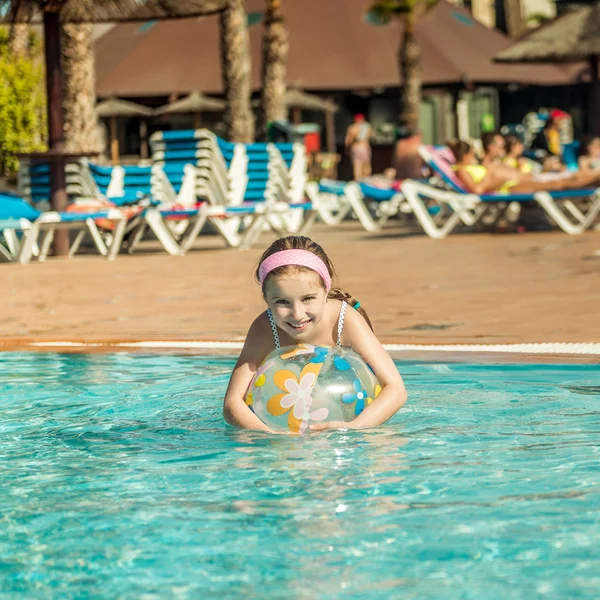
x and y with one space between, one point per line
300 242
460 149
511 141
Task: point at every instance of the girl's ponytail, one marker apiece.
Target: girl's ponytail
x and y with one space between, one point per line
339 294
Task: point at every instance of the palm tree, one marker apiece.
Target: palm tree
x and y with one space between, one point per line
275 46
19 39
82 130
409 53
513 15
236 65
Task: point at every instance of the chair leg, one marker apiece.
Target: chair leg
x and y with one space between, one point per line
76 243
6 253
252 233
325 213
162 232
28 243
546 201
12 241
427 222
356 200
117 240
136 236
46 243
97 237
310 216
193 231
231 237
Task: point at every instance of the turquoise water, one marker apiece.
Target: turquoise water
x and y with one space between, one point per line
120 480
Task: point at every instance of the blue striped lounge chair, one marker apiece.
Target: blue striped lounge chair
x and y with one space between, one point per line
21 225
468 209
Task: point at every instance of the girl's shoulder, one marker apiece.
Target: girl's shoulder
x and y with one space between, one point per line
260 335
261 325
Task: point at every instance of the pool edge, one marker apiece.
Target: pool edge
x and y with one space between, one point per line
523 352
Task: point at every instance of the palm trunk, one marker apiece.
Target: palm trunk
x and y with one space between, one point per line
513 14
275 46
82 130
19 39
409 59
235 57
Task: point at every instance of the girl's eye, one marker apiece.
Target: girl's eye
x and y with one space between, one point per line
308 298
281 302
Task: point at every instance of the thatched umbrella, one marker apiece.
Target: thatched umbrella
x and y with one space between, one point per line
572 37
296 100
194 104
52 13
112 109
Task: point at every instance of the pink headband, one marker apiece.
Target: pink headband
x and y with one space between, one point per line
302 258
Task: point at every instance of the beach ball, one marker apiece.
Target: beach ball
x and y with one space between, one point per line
297 386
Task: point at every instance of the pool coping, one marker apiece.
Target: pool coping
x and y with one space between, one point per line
566 352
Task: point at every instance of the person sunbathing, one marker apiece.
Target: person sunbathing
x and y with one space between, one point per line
502 179
590 159
514 155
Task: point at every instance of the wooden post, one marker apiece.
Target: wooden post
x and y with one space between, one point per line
455 93
330 129
114 141
594 97
296 116
56 123
143 139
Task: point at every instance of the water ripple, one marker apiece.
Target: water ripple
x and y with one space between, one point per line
121 480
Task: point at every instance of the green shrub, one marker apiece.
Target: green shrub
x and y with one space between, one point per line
22 105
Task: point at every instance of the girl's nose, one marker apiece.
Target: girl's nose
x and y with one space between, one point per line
297 311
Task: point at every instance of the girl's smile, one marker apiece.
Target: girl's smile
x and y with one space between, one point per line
297 303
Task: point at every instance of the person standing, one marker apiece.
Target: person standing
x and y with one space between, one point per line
358 146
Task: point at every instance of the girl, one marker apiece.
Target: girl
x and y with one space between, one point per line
514 155
501 179
295 275
590 159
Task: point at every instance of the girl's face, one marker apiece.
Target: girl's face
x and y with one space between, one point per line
469 158
297 302
594 147
517 150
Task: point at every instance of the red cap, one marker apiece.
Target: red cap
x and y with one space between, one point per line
359 117
558 114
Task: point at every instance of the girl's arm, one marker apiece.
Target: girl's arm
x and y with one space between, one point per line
584 163
256 347
393 394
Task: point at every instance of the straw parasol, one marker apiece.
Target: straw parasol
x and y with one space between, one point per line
298 100
112 109
195 104
51 13
295 98
572 37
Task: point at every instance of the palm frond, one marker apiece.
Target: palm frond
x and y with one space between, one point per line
381 12
102 11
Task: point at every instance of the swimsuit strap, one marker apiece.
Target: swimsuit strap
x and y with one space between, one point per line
341 322
273 329
340 328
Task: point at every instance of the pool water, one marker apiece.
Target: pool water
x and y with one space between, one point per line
119 479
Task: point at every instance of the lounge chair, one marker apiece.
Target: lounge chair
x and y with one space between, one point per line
373 206
21 225
469 209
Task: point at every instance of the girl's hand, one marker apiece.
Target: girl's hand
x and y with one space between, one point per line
331 425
